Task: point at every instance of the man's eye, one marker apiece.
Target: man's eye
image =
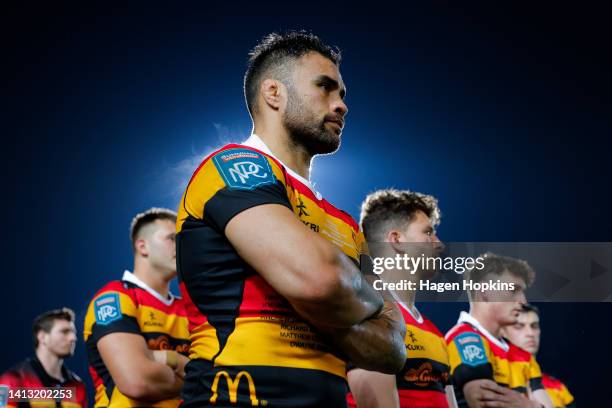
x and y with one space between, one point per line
324 86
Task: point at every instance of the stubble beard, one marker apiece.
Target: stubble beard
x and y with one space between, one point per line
306 131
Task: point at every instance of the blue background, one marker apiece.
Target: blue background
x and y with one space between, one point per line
503 113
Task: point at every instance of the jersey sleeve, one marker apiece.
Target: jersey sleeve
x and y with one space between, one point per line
112 310
231 181
469 358
8 380
567 397
535 375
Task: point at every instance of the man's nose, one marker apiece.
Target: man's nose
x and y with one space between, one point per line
339 107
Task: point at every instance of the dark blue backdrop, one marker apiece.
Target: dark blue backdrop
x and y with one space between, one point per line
502 113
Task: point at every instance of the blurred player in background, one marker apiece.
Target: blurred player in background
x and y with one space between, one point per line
525 333
135 329
405 223
487 370
54 337
269 269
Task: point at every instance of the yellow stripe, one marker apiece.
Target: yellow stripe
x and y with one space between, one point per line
434 345
152 320
259 342
334 229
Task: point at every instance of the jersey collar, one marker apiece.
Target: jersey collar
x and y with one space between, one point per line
255 142
130 277
471 320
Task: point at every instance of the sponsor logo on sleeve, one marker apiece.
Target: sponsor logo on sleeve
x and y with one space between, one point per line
107 308
471 350
243 169
3 396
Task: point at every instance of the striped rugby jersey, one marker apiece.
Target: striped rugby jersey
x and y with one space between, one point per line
249 347
130 306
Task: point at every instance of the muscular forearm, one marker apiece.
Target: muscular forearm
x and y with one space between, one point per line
376 344
349 301
158 382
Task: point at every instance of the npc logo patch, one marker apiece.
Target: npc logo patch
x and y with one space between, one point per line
243 169
107 309
4 389
471 349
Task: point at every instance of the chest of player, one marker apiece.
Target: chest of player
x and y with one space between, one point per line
427 357
508 369
324 219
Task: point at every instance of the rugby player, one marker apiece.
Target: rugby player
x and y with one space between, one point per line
525 333
486 369
135 329
54 338
268 267
393 217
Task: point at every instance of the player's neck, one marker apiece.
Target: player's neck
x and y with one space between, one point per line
153 278
50 362
407 297
279 143
486 320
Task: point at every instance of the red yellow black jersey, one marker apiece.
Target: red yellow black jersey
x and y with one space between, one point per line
31 374
558 392
130 306
249 347
475 354
422 381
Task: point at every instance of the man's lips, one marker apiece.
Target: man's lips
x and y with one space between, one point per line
338 122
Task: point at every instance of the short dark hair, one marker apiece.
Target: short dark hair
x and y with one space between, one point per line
276 50
148 217
494 264
390 208
46 320
528 307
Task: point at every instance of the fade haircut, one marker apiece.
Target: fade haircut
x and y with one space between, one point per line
273 57
496 265
46 320
390 208
148 217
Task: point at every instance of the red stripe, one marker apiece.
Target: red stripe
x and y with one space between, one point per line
427 324
114 286
551 382
422 399
323 203
192 312
260 299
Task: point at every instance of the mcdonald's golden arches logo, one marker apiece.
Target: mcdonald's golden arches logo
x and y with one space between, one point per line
232 387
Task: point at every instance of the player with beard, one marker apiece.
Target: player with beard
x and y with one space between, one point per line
54 337
486 369
403 223
269 268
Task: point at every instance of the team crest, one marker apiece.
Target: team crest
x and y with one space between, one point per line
4 389
243 169
107 308
471 350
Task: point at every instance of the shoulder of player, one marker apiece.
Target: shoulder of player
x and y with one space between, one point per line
518 353
235 151
548 381
14 374
462 328
118 287
429 326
